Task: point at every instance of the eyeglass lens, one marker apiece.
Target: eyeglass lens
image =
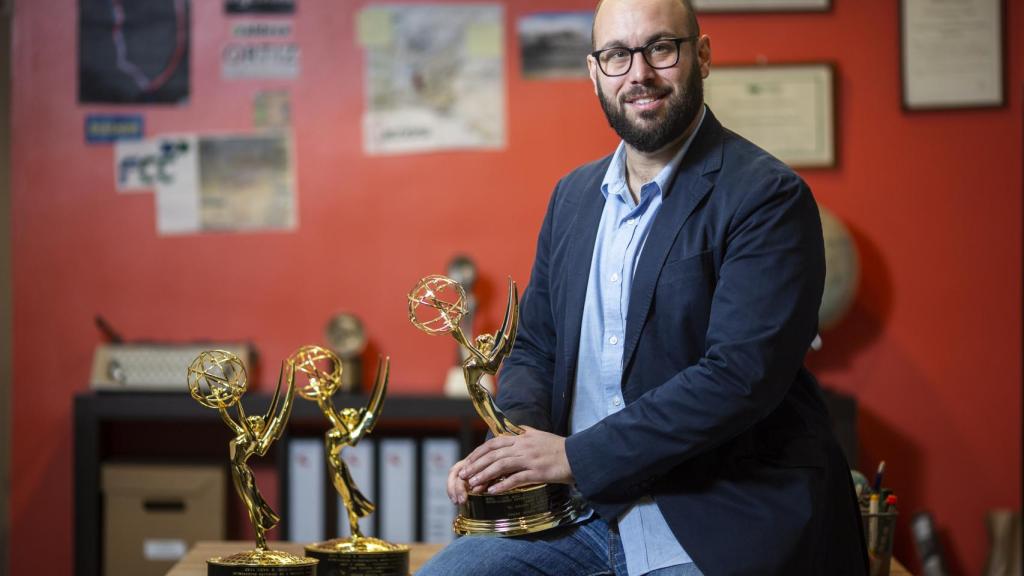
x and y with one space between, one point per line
658 54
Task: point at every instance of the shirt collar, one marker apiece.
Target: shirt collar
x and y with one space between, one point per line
615 177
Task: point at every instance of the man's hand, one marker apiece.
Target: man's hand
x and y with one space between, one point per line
457 487
533 457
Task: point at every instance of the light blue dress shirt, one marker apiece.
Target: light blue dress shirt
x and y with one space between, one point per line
646 538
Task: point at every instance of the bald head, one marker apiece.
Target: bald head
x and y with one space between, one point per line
692 25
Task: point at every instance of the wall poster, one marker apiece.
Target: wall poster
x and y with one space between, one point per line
435 77
555 44
212 183
132 52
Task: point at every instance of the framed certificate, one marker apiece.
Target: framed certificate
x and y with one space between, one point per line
762 5
951 54
787 109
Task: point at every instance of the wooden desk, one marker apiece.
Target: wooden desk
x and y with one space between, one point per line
194 563
897 569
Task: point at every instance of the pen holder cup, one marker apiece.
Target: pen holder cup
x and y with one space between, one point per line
878 532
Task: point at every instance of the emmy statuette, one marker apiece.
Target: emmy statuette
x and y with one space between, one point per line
436 306
217 379
319 372
462 270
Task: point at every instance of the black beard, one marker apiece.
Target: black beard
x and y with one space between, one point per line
682 109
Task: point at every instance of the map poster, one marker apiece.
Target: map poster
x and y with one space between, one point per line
133 52
435 77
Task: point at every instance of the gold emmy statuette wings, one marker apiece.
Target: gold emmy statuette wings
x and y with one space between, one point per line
487 353
522 510
217 379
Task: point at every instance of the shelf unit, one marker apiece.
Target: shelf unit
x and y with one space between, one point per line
99 417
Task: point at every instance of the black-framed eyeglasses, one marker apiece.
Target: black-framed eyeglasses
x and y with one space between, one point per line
659 54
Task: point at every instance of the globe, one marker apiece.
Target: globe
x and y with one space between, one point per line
317 372
842 271
217 379
437 304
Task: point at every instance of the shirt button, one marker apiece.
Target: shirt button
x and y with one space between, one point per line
614 277
616 400
613 340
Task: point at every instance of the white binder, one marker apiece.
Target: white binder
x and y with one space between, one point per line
397 504
306 490
360 461
438 512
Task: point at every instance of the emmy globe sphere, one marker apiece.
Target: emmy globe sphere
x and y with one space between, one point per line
217 379
437 304
317 372
842 271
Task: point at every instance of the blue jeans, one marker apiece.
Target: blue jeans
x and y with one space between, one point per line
589 548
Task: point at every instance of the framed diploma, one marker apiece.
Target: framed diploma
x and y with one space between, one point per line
787 109
951 53
762 5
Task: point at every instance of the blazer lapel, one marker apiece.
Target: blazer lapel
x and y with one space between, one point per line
688 188
579 257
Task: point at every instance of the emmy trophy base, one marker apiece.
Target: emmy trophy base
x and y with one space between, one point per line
364 556
261 563
520 511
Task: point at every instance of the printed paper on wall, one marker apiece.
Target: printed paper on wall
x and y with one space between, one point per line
435 77
133 52
212 183
555 44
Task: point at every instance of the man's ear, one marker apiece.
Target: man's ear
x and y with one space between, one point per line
592 68
704 55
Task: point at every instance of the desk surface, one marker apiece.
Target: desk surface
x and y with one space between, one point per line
897 569
194 563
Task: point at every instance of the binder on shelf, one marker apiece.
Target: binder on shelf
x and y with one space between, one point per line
361 465
306 489
397 504
438 512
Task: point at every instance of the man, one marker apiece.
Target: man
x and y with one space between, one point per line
667 384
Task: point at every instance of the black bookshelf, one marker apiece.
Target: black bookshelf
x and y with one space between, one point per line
144 426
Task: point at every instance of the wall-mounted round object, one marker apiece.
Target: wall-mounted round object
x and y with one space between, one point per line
842 271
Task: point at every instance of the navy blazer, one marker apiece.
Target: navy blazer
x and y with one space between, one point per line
723 426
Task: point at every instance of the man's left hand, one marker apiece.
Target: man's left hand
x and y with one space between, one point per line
533 457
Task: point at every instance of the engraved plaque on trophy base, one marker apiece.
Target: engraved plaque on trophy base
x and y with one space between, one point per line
519 511
262 563
363 555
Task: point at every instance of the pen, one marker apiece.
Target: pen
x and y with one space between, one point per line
890 503
872 524
878 477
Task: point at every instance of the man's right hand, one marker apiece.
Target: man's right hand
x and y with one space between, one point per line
457 487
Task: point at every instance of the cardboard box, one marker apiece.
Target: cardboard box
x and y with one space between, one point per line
154 514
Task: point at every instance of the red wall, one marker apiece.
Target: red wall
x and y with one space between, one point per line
931 349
